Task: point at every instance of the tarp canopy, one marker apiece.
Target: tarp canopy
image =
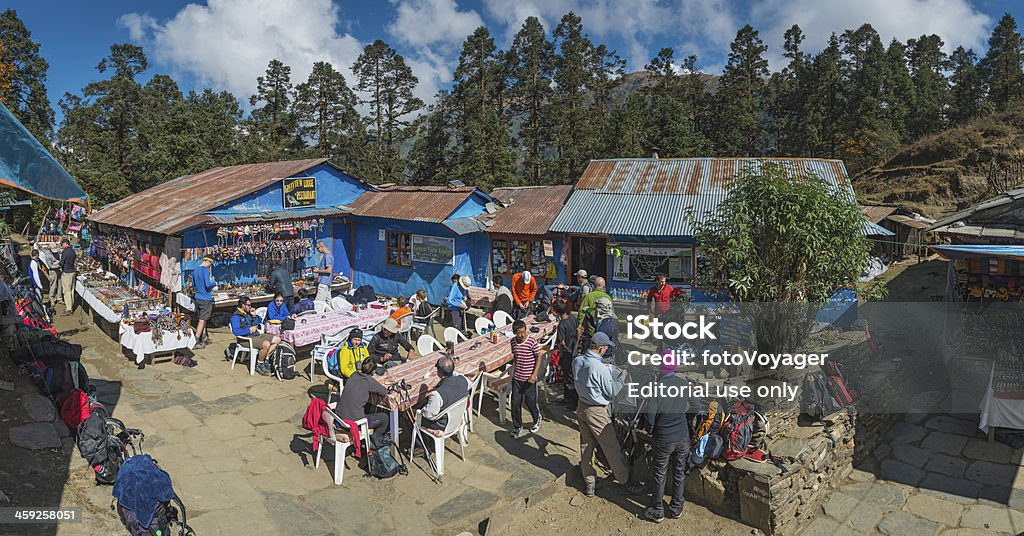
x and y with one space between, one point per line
980 251
27 165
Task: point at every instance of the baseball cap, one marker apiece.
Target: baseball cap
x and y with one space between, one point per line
600 339
582 273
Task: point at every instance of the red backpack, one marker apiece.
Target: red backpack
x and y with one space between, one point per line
738 430
76 408
837 384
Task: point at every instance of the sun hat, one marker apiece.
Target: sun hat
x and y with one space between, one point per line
465 282
391 325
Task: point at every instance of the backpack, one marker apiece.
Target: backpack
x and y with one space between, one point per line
332 361
555 374
815 399
738 430
283 361
759 440
362 295
60 379
708 447
76 408
165 514
103 451
837 384
708 421
383 464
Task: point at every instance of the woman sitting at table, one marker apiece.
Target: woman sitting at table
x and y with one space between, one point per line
305 303
350 356
276 309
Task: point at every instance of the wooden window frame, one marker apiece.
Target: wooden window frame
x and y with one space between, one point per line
388 248
508 240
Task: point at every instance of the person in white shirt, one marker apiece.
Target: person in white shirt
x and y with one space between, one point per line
36 269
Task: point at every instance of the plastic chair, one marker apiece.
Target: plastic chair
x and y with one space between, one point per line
474 385
451 334
262 313
426 344
483 324
336 425
331 378
424 323
456 426
339 303
405 323
320 306
327 343
243 345
499 385
501 319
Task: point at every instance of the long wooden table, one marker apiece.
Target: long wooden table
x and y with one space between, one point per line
476 355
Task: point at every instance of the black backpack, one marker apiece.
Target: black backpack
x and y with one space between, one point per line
815 398
283 361
363 294
102 450
383 464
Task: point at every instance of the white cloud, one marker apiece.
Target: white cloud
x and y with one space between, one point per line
422 23
226 44
956 21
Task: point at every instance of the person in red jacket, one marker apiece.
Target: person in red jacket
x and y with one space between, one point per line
659 297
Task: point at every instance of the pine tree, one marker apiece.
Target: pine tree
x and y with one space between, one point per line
864 72
387 81
272 119
164 141
898 90
965 94
789 89
325 108
628 134
607 70
24 94
821 126
486 157
569 111
531 59
668 122
1000 69
740 129
927 66
213 119
431 158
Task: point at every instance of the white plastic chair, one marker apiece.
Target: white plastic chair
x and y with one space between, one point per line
262 313
474 385
498 384
243 345
320 306
501 319
482 324
405 323
457 425
451 334
426 344
424 323
335 425
340 303
331 378
320 351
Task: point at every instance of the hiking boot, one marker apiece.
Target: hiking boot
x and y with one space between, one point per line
674 515
634 488
263 369
535 428
199 345
516 432
652 515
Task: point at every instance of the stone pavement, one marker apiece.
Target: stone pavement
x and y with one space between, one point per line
242 464
937 475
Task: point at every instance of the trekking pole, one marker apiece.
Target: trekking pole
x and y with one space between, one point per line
411 415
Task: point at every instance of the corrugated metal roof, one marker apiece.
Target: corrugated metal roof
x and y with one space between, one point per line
461 226
873 229
531 210
180 203
651 197
910 221
877 213
1005 198
413 203
228 217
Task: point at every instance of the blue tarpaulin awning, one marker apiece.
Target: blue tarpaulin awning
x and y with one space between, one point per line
977 251
27 165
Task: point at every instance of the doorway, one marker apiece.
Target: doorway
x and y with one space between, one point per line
589 253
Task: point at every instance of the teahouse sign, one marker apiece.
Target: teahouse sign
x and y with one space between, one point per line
299 192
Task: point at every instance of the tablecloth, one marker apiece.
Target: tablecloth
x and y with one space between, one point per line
186 302
1000 412
309 327
142 344
95 304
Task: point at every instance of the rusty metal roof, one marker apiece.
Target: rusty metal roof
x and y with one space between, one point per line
877 213
180 203
531 209
652 196
412 203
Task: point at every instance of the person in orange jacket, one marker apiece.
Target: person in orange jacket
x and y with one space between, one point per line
524 290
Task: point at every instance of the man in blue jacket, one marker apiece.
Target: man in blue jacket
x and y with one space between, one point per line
457 302
244 323
204 285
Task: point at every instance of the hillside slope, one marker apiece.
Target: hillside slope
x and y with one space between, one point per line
953 169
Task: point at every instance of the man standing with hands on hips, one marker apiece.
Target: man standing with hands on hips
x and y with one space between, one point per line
325 274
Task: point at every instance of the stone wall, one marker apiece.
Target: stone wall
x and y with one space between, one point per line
819 454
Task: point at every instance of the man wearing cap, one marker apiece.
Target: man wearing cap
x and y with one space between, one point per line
596 388
68 271
204 285
665 418
325 274
588 307
457 302
351 354
524 290
384 345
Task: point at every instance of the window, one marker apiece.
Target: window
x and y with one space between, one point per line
512 256
399 249
642 263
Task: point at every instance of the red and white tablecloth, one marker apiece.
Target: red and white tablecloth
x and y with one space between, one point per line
309 327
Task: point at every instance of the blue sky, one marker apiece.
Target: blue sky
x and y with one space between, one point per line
225 44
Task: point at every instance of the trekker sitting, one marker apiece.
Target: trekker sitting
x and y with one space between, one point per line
305 303
349 357
524 290
525 371
281 283
246 324
277 309
384 345
452 388
418 303
596 388
502 297
458 301
667 423
355 398
403 311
